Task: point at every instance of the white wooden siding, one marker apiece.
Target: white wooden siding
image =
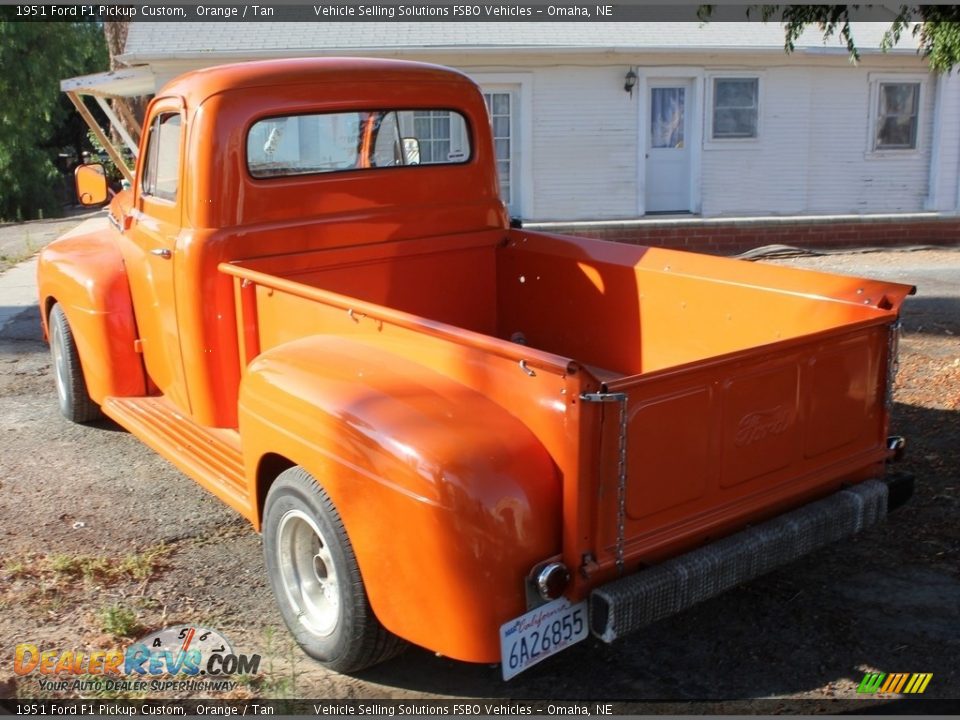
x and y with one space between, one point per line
584 144
813 155
581 151
945 185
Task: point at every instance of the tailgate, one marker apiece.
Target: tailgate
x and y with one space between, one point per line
693 453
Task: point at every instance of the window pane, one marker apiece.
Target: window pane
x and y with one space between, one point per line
666 117
897 132
441 127
898 99
736 93
307 144
162 173
386 149
731 123
898 116
499 104
735 107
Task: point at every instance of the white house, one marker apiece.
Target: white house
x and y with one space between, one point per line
626 121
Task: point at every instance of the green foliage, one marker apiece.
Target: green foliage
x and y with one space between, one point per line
936 26
119 621
35 117
101 156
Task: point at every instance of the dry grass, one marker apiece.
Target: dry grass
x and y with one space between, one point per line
90 568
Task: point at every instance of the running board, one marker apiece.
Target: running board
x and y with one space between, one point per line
211 457
629 603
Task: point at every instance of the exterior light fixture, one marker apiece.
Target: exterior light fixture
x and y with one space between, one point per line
630 81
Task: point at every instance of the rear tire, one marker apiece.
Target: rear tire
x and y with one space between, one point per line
316 580
72 396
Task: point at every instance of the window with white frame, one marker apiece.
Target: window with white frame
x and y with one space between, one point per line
897 116
736 108
499 107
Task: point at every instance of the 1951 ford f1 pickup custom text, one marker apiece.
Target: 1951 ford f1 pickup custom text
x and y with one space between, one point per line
483 440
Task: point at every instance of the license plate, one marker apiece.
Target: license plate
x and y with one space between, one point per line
540 633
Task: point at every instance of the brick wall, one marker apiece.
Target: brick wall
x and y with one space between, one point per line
736 236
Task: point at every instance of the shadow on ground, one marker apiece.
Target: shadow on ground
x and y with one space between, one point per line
931 315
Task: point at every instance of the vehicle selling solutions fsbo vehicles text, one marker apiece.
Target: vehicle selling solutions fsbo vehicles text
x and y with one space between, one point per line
404 11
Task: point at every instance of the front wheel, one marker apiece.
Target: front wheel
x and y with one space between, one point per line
72 396
316 579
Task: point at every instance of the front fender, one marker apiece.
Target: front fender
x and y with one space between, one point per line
448 499
85 274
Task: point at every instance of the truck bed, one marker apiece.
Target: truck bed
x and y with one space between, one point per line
622 310
746 388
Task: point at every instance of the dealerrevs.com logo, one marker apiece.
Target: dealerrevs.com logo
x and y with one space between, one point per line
200 658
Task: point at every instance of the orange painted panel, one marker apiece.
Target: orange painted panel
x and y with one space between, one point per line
441 490
668 451
843 396
86 275
761 417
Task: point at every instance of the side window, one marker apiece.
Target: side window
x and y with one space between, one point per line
736 104
161 173
499 107
898 113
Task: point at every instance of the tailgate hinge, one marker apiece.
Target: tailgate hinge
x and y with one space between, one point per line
617 397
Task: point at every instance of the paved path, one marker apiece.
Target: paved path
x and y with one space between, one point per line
18 285
21 240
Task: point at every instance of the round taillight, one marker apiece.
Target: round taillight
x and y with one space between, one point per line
552 580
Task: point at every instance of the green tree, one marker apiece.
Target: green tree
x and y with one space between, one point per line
937 27
36 120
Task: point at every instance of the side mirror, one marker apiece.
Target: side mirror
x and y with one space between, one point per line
90 182
411 151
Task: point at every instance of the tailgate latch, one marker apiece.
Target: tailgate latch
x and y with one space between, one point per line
617 397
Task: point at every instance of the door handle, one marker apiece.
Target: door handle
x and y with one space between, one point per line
162 252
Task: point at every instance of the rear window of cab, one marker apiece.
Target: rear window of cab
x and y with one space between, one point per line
336 142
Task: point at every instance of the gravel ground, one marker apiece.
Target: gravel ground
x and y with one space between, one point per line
889 600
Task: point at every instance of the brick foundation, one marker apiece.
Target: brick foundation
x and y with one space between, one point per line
731 237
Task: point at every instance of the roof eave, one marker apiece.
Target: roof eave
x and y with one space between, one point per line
132 59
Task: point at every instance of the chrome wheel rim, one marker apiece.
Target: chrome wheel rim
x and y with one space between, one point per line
308 574
59 363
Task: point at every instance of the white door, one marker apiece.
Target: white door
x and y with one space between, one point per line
668 144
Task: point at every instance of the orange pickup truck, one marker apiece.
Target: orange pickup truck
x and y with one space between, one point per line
483 440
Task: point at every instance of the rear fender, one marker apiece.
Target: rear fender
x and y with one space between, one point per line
448 499
85 274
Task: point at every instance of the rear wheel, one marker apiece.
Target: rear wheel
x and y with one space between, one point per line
316 579
72 395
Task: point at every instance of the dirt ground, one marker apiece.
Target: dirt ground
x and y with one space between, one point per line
98 535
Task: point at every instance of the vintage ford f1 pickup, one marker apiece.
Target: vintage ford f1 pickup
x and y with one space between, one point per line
483 440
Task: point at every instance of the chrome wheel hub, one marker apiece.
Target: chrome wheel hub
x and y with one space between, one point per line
308 573
59 363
